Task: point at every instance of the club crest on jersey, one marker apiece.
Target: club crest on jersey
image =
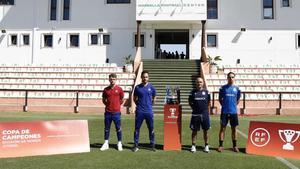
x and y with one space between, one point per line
149 90
234 89
116 91
203 93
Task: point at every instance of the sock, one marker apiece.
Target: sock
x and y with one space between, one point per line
206 144
220 143
119 142
106 142
234 143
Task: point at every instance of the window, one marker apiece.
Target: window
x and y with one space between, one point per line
7 2
142 44
212 9
13 40
53 10
285 3
74 40
48 40
66 10
25 40
298 40
212 40
268 9
94 39
118 1
106 39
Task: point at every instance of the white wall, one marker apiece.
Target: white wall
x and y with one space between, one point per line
251 46
256 47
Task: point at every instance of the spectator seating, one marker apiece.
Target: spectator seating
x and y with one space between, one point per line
53 77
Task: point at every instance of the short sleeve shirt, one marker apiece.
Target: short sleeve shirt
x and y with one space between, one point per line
144 95
199 100
114 98
229 94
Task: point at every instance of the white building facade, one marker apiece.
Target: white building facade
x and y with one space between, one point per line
93 31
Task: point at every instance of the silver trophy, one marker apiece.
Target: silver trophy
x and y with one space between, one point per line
288 138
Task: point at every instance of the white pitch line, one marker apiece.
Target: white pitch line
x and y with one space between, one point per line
284 161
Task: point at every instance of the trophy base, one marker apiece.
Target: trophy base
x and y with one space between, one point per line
288 146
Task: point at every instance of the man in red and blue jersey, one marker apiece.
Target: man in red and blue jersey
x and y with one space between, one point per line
144 98
199 100
229 97
112 98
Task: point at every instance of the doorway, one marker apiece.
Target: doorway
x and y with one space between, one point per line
171 44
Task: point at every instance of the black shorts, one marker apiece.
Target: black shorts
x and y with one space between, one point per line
233 118
200 120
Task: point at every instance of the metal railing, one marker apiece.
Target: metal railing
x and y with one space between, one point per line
76 107
243 99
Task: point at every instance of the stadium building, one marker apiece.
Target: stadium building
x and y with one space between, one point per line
73 31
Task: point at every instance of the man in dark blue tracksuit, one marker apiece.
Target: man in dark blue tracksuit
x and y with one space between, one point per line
144 97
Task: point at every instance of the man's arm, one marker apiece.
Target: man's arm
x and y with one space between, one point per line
220 96
153 99
238 96
191 100
121 96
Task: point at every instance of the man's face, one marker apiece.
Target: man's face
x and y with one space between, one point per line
199 83
145 78
112 81
230 78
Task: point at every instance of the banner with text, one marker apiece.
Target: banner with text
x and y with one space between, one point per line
274 139
32 138
171 10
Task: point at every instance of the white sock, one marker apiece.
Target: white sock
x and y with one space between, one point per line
119 142
106 142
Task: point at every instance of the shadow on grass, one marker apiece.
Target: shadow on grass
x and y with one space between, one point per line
147 146
141 146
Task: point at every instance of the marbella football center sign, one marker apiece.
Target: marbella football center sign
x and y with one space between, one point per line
173 10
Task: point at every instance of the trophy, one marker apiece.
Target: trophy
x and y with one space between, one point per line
288 138
172 95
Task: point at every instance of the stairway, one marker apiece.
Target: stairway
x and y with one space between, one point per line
173 73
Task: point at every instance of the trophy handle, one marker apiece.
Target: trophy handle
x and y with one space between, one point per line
281 131
297 132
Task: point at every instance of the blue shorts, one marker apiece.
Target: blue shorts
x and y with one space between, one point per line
233 118
200 120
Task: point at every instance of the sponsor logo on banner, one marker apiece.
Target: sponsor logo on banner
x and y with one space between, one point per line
172 111
33 138
274 139
288 136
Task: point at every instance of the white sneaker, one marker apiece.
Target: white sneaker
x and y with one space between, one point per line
206 149
120 147
193 149
104 147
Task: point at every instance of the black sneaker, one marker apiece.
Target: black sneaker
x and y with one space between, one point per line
153 148
135 149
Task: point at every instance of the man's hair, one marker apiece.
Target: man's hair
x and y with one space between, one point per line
228 74
198 78
143 72
113 75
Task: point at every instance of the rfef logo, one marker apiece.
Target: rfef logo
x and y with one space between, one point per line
274 139
260 137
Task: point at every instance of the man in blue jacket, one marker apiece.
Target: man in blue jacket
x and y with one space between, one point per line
144 98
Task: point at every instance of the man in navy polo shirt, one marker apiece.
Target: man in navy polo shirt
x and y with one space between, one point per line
199 100
144 98
229 97
112 98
